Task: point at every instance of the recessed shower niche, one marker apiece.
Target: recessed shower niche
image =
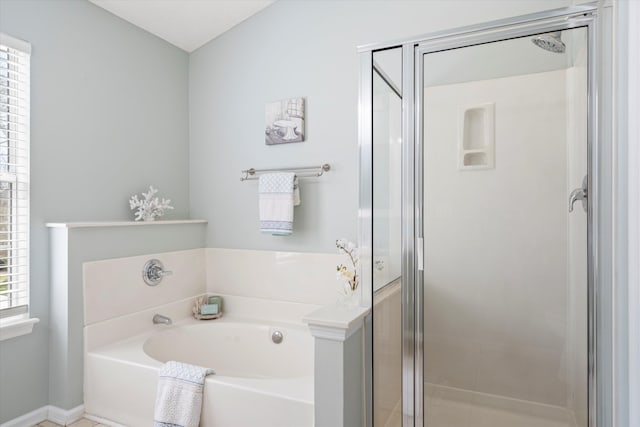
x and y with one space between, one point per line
477 137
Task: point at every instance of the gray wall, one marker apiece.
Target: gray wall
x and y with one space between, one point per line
290 49
105 97
71 248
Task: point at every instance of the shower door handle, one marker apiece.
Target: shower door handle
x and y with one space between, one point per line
581 194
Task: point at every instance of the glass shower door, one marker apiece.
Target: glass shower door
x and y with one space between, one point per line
387 257
505 292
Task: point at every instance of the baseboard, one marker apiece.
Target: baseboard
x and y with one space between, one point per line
28 420
103 421
52 413
64 417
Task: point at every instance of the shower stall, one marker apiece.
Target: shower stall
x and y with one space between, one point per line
479 204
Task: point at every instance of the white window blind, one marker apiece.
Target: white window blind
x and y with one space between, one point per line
14 176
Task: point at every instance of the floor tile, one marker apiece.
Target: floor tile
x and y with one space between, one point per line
83 422
48 424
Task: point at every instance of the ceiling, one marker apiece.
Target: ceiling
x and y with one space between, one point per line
187 24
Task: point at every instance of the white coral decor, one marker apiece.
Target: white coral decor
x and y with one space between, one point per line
149 208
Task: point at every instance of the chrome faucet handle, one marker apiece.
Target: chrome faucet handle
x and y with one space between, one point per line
153 272
158 271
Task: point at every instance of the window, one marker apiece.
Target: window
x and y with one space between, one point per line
14 178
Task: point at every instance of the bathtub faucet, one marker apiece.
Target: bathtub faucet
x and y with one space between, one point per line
160 319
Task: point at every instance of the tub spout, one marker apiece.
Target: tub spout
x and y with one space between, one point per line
160 319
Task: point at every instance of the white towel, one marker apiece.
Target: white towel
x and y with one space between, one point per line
179 395
276 203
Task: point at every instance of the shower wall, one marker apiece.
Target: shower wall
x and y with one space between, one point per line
498 316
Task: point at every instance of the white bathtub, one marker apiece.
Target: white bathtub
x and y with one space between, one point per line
257 382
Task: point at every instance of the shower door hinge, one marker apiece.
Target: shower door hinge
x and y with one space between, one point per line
420 253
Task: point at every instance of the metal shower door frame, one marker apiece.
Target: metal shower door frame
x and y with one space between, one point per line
526 26
413 51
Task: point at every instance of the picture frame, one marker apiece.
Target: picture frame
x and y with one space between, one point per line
285 121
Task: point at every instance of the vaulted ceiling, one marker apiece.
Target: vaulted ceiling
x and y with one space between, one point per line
187 24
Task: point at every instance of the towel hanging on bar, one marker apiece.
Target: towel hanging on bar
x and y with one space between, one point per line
275 194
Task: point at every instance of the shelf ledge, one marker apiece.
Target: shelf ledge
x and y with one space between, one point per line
122 223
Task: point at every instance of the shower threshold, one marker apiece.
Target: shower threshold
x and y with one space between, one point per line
453 407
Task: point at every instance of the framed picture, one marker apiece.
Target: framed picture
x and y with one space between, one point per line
284 121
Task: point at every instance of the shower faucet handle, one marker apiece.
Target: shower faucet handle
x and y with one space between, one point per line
153 272
581 194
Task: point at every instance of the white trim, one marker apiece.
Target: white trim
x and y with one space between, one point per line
335 323
329 333
121 223
633 144
28 420
15 43
17 328
64 417
103 421
52 413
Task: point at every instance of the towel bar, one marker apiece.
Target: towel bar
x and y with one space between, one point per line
301 172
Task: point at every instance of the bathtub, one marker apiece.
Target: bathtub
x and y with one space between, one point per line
257 382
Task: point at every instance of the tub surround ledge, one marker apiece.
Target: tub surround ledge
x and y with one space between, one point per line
336 322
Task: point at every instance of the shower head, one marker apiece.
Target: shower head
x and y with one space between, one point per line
550 41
